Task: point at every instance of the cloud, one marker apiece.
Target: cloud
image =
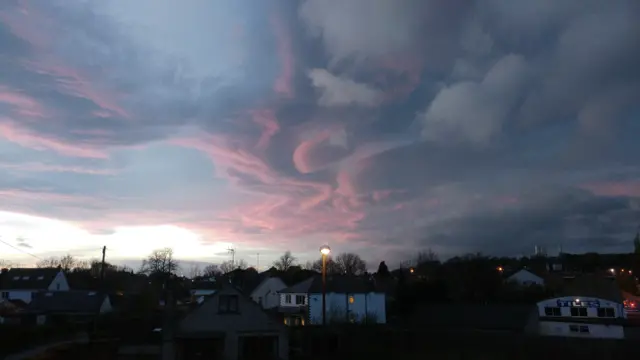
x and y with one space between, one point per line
336 91
373 125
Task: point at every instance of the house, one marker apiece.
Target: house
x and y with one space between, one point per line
69 306
465 318
23 283
525 277
348 299
230 326
202 289
266 293
588 306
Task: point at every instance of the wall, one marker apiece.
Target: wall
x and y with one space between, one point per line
591 312
283 302
340 309
556 328
59 283
266 294
524 277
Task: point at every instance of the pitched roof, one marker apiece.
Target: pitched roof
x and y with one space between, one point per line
342 284
206 318
591 285
28 278
67 301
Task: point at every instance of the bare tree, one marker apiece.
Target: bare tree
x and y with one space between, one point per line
160 261
332 267
194 272
228 266
350 264
211 270
285 261
50 262
426 256
6 264
309 265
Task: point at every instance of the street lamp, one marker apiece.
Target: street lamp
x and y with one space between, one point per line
324 250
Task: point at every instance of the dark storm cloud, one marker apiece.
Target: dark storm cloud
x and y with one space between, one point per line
464 125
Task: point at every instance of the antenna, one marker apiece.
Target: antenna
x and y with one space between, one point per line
232 251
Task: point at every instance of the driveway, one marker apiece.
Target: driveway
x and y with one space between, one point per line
81 338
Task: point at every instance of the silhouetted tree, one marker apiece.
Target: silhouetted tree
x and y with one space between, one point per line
350 264
66 262
332 267
228 266
285 261
211 270
636 244
383 270
160 261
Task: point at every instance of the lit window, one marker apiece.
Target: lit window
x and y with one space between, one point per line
286 321
351 300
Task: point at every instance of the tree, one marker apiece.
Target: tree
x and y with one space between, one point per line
350 264
285 261
159 262
66 262
636 243
426 256
228 266
383 270
5 264
194 272
332 267
211 270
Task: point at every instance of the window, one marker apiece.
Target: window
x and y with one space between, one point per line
552 311
25 278
58 286
287 299
575 311
606 312
228 304
40 277
299 299
5 294
584 329
574 328
351 299
16 278
260 300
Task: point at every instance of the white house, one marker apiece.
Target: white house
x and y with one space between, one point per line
525 277
348 299
588 307
266 293
22 283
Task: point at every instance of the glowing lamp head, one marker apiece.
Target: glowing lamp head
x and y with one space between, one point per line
325 250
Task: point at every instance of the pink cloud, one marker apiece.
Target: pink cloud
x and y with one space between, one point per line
615 188
284 82
23 104
316 152
23 137
72 82
41 167
408 68
43 195
266 118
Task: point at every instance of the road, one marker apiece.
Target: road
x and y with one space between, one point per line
81 338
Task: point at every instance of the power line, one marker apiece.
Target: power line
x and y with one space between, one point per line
22 251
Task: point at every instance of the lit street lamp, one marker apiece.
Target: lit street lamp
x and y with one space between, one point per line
324 250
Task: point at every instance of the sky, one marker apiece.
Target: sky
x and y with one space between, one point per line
381 127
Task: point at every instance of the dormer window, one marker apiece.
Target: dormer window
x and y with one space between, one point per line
228 304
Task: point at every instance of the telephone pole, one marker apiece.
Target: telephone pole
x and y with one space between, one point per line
104 253
258 264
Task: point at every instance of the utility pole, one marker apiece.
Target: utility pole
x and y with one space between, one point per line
104 253
258 265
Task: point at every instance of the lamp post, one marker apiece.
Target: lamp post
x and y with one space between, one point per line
324 250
